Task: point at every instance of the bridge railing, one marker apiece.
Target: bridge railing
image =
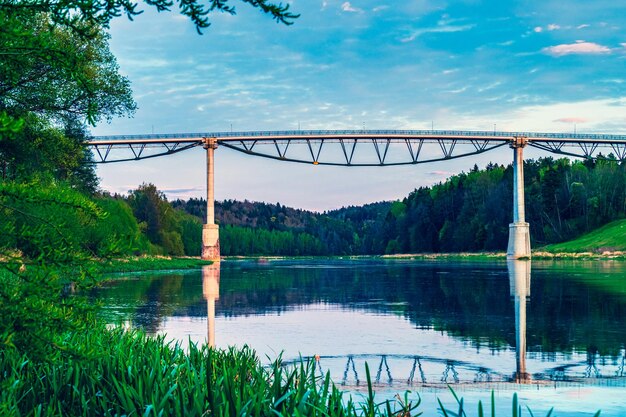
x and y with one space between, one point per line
364 133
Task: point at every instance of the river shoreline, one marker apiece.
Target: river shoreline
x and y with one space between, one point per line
478 256
154 263
147 263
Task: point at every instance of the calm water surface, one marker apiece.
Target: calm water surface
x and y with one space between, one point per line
552 332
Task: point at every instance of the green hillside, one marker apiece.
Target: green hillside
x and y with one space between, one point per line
610 237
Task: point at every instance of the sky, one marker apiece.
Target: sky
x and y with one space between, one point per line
529 65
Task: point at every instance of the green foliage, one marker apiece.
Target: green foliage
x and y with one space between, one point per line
174 231
244 241
611 237
273 229
53 72
41 255
131 374
73 13
471 211
43 152
146 263
53 82
117 232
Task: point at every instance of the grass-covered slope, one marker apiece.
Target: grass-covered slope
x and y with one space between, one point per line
610 237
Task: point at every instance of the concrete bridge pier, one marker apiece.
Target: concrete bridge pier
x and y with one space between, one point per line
519 232
210 231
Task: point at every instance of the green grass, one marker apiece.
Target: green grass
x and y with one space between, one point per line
147 263
610 237
127 373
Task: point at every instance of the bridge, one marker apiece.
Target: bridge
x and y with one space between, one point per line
376 148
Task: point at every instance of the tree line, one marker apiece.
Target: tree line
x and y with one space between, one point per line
471 211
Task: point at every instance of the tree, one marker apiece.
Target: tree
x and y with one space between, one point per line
75 13
146 202
56 73
42 151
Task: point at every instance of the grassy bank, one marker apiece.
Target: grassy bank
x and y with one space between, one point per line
609 240
147 263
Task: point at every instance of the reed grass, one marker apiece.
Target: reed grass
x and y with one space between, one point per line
123 373
126 373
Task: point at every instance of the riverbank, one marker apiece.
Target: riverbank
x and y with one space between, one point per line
147 263
540 254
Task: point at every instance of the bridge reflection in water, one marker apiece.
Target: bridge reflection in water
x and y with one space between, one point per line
428 370
211 293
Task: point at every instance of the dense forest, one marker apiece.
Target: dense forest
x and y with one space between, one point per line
471 211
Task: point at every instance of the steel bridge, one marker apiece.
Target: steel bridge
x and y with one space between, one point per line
375 148
339 147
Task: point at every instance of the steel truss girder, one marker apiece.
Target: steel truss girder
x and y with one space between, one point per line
379 149
103 152
317 145
586 150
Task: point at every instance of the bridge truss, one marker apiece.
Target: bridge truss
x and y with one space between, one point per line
356 147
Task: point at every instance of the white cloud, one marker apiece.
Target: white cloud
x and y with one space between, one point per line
601 116
551 27
458 90
570 120
440 173
489 87
380 8
582 26
438 29
347 7
578 48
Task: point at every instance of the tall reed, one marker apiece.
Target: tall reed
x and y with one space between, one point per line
127 373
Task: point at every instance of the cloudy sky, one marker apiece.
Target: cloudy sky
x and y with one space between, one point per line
532 65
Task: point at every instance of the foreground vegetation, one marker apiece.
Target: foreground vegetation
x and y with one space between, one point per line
116 372
127 373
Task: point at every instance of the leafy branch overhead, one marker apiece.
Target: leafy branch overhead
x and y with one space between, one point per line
75 13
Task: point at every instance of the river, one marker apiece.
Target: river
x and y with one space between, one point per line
552 332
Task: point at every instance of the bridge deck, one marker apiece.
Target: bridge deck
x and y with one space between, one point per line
385 147
399 135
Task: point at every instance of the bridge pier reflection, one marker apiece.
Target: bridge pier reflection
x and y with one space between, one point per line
210 231
519 282
211 293
519 233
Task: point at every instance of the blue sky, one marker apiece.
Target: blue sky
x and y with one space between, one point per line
536 65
